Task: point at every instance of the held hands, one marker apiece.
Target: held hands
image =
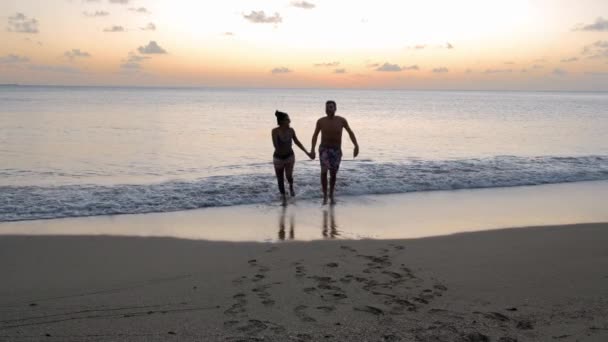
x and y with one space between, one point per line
311 155
356 152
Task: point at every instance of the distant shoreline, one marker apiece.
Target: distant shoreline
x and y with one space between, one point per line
202 87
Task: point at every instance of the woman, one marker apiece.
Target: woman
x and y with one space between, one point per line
283 157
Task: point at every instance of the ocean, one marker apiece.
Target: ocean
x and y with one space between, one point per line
86 151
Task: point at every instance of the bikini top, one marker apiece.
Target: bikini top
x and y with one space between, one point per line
284 145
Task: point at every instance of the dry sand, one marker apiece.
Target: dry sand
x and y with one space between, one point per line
524 284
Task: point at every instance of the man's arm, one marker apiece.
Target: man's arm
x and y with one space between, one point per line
314 139
351 134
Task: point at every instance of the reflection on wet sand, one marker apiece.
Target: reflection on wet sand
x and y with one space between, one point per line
292 225
332 227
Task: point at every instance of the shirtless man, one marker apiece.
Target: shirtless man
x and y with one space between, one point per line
330 150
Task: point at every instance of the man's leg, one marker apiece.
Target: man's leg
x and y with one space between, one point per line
332 185
324 184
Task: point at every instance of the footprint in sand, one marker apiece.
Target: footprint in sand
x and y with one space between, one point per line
369 309
302 315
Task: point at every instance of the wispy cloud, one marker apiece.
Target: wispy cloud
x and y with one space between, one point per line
259 17
133 62
340 71
410 67
96 14
139 10
22 24
497 71
328 64
151 49
599 49
76 53
600 24
537 66
559 72
569 60
115 28
13 59
303 4
121 2
55 69
149 27
388 67
281 70
441 70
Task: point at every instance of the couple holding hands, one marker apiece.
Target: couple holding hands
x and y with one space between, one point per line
330 149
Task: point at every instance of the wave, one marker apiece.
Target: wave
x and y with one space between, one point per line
356 178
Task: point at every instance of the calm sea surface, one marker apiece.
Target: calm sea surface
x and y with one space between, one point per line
80 151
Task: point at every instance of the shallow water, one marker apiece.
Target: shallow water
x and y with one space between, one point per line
74 151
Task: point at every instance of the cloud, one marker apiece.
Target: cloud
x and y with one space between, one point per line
387 67
440 70
55 68
372 65
115 28
139 10
303 4
21 24
599 49
559 72
121 2
569 60
13 59
228 33
280 70
149 27
133 62
537 66
329 64
340 71
151 49
259 17
497 71
96 14
76 53
448 46
411 67
600 24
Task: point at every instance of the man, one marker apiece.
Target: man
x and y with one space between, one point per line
330 150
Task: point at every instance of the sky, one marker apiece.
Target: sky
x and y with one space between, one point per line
386 44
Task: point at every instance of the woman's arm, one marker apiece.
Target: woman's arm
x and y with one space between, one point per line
273 133
298 143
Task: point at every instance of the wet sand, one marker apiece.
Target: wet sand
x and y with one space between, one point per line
526 284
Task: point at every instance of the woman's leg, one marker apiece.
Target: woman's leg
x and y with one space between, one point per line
279 171
289 176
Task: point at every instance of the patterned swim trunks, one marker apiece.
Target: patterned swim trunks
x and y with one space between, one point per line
330 157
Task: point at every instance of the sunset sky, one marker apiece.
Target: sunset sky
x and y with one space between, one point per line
415 44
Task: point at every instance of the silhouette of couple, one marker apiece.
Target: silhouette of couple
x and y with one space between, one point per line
330 149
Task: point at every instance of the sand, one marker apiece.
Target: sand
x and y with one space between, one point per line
524 284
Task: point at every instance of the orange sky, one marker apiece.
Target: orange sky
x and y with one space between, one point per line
431 44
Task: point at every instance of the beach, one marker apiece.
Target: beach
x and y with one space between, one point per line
524 284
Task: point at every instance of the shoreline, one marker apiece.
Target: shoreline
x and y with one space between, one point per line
518 284
396 216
